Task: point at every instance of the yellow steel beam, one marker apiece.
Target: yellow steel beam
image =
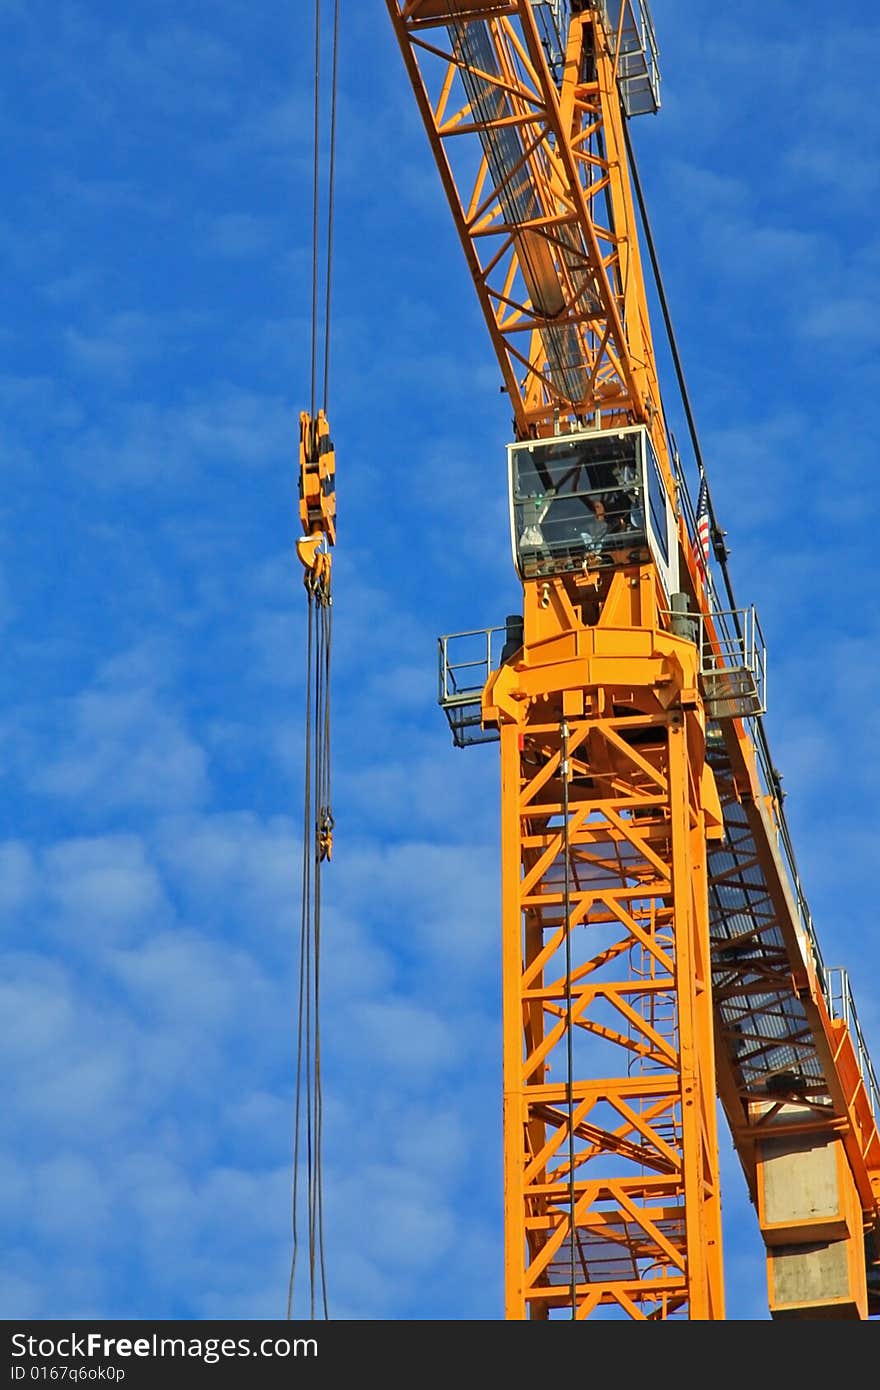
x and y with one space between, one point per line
610 1145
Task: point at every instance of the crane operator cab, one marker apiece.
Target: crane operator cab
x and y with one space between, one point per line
591 499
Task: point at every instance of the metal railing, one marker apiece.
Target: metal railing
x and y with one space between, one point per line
638 68
477 653
733 664
842 1005
466 660
769 776
553 18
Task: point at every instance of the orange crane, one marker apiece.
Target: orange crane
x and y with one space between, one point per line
658 953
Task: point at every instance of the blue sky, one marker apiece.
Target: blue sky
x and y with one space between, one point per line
154 343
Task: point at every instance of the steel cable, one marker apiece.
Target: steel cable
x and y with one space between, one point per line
308 1185
331 182
569 1018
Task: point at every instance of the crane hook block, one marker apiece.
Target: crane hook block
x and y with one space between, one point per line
317 477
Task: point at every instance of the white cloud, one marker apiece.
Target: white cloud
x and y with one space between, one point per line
111 355
847 321
17 876
234 866
71 1202
102 890
124 750
404 1037
404 1224
435 1144
170 69
67 1061
150 446
183 980
38 1004
240 234
33 399
25 1298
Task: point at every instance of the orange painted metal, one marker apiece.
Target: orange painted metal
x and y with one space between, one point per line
609 803
317 497
610 1147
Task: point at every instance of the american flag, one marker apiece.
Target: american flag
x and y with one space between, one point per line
701 539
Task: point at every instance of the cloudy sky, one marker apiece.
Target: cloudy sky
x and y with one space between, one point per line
154 349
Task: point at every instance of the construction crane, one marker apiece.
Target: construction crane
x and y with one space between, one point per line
658 954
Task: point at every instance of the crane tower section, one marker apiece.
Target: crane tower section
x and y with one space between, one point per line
641 975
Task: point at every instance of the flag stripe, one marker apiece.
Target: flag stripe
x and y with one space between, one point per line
701 539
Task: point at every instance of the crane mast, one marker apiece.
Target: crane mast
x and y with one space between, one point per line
656 949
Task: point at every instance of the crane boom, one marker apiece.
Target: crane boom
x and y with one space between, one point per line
657 948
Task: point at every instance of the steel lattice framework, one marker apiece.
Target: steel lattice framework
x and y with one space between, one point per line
548 233
613 1180
655 950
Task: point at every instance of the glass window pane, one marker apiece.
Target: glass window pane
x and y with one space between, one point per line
577 501
657 496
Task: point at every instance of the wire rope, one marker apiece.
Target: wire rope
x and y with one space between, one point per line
718 545
569 1019
308 1207
331 183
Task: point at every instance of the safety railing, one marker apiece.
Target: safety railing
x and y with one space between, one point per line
732 659
553 18
466 660
733 664
842 1005
768 774
633 42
